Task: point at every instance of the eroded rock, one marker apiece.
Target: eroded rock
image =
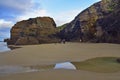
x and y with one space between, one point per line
33 31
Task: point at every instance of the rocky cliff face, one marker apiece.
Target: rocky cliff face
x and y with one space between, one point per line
33 31
110 26
89 25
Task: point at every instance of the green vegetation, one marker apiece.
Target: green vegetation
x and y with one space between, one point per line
112 7
61 27
100 64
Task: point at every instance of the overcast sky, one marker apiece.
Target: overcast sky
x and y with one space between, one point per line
62 11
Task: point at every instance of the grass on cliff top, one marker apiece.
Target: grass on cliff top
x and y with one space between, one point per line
61 27
100 64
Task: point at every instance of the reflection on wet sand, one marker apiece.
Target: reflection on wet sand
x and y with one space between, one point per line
14 69
42 67
65 65
104 65
20 69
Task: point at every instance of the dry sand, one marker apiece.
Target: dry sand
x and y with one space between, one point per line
46 54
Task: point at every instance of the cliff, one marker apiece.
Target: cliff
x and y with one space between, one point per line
33 31
110 26
94 23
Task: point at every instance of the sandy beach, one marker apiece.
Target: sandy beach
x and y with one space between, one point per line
47 54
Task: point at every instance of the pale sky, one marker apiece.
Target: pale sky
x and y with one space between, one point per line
62 11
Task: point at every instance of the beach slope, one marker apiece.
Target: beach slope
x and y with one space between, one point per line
48 54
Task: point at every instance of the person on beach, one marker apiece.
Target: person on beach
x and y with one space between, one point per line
63 41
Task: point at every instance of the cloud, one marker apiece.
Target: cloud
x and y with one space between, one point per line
25 9
4 34
5 24
98 0
10 9
32 14
21 9
20 5
66 16
60 18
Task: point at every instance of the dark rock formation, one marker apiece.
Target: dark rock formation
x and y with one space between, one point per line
83 26
92 24
118 60
110 26
33 31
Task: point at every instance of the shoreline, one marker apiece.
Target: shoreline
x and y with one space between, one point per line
12 47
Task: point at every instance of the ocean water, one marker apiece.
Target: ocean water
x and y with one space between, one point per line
3 47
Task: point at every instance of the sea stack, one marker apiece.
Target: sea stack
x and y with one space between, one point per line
33 31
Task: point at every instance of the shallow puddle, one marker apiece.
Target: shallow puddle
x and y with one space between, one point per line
20 69
107 64
15 69
65 65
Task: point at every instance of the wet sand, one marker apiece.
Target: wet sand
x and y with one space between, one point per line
47 54
62 75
